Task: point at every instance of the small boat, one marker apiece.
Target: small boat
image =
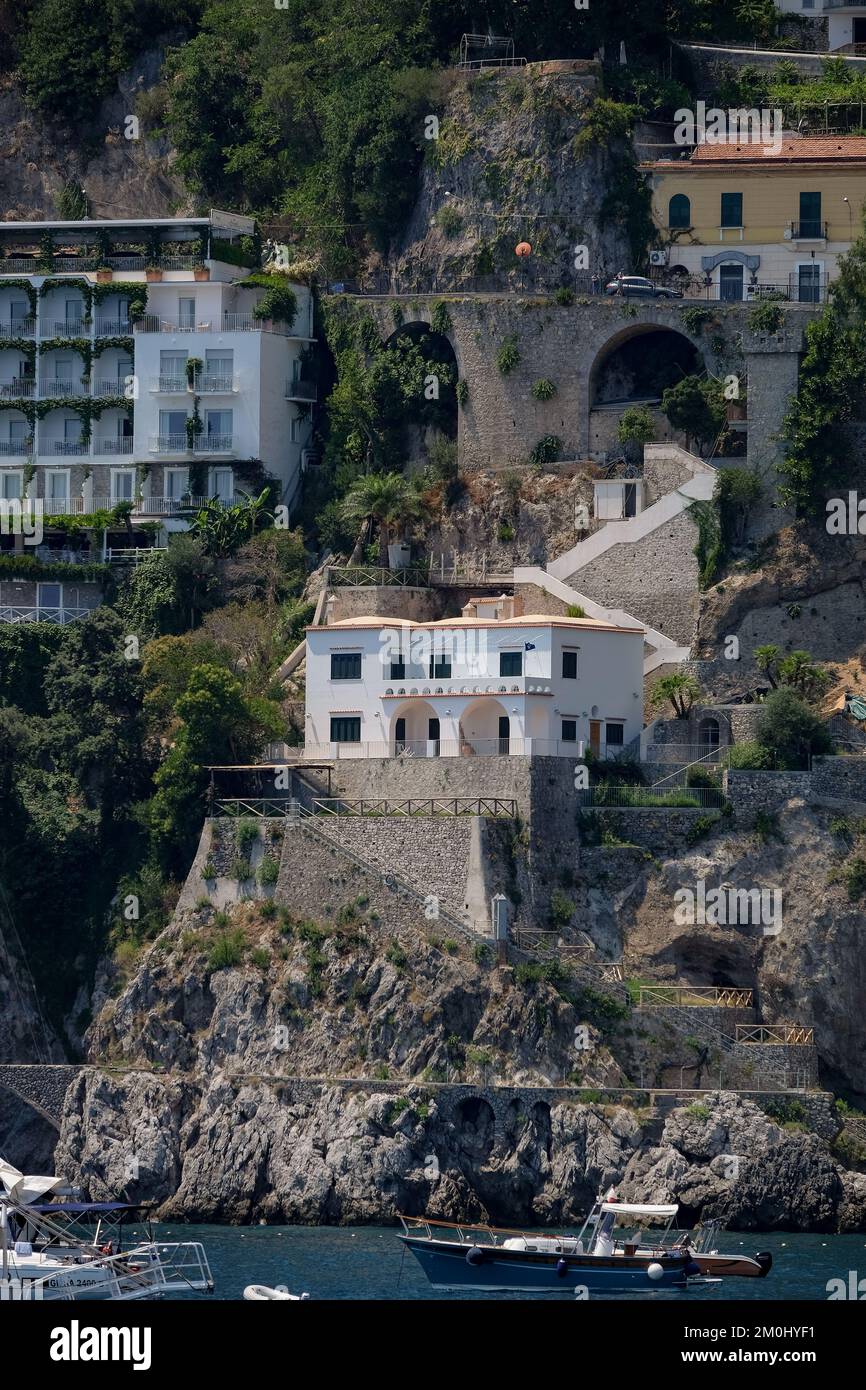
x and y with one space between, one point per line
493 1259
45 1256
255 1293
489 1258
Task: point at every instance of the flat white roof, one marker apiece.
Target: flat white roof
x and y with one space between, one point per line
375 620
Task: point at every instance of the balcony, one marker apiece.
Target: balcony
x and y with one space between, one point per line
23 389
18 328
70 265
211 385
301 390
481 684
70 328
214 444
113 328
179 444
120 444
55 388
14 614
62 448
18 265
15 448
231 323
808 231
169 385
169 444
110 386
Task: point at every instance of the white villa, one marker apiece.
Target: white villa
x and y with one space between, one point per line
133 367
493 681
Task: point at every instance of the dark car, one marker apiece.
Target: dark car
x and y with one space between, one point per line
638 287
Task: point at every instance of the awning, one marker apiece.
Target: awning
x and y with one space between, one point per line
639 1209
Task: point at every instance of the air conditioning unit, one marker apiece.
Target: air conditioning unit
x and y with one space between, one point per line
788 234
658 257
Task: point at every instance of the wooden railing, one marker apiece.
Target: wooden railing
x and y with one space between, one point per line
538 942
690 996
776 1034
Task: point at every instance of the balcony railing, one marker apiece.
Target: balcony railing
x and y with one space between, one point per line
170 385
169 506
22 389
18 328
214 444
18 265
110 386
810 230
16 448
65 264
121 444
231 323
169 444
64 447
109 328
55 386
210 384
301 390
127 262
70 328
14 614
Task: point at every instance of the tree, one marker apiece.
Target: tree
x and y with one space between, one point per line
800 672
696 406
791 731
383 499
767 660
680 688
636 428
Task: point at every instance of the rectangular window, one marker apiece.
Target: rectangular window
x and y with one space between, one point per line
398 671
218 427
511 663
346 730
810 215
122 484
345 666
569 665
57 486
176 482
732 210
569 731
186 314
614 735
440 668
18 429
223 484
10 485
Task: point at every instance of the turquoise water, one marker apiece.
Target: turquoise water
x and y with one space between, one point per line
368 1262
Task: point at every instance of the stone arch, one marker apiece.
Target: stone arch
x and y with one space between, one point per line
440 408
476 1128
417 735
637 362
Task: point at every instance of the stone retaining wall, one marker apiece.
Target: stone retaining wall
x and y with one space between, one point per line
842 779
751 792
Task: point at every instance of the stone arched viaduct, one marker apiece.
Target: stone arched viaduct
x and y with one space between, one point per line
501 422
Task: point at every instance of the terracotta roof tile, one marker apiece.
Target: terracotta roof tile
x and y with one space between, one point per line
807 147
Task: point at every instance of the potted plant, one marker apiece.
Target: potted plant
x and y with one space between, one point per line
193 369
201 272
104 274
152 272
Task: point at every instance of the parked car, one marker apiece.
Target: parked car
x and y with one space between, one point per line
637 286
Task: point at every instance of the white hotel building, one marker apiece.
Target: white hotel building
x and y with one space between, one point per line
493 681
105 399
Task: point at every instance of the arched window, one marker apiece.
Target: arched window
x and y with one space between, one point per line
679 211
708 732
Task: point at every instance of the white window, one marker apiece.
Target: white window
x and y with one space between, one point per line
218 425
122 484
10 485
295 430
18 430
186 314
49 599
124 369
56 485
223 484
73 313
72 430
176 483
63 369
19 309
172 369
172 427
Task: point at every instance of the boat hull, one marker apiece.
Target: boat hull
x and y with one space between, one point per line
488 1268
734 1266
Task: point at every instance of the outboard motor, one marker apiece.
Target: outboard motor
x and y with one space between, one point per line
765 1260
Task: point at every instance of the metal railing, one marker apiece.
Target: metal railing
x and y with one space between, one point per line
683 754
362 576
169 444
52 387
71 448
18 265
214 444
812 229
492 808
170 385
209 383
70 328
16 614
121 444
646 798
19 328
689 996
111 386
538 942
775 1034
16 448
514 746
23 389
301 390
111 328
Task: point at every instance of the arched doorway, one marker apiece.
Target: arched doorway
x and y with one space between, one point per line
708 732
488 727
415 731
635 367
431 420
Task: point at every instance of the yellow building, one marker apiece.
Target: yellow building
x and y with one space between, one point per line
741 220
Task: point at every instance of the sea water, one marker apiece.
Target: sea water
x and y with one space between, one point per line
369 1262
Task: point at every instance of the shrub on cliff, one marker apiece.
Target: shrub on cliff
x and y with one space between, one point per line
790 731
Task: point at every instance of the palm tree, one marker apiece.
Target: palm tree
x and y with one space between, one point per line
385 499
680 688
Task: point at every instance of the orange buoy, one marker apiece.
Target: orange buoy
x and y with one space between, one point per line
523 248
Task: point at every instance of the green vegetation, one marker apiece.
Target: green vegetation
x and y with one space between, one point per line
696 405
543 390
508 356
227 950
679 689
574 610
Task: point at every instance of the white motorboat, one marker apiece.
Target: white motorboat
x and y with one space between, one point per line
43 1256
256 1293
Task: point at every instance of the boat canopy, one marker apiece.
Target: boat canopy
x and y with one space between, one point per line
640 1209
